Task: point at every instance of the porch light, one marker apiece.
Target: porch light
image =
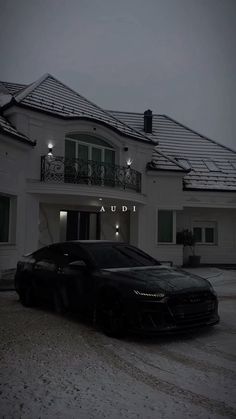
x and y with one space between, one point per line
117 230
63 215
50 147
129 162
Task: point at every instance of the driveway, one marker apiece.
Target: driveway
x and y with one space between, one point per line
60 367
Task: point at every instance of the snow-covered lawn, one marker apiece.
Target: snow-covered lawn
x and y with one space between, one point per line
60 367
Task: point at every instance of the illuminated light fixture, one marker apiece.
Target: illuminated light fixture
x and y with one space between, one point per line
100 199
129 162
50 147
117 230
63 215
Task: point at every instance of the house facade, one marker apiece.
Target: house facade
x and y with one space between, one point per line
70 170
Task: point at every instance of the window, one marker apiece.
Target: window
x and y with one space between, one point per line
94 159
205 232
185 163
211 165
118 256
166 223
87 147
4 218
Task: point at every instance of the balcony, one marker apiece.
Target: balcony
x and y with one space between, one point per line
62 170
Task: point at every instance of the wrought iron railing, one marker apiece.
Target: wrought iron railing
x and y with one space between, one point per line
62 170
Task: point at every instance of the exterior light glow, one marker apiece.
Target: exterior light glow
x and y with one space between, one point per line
50 147
63 215
117 230
129 162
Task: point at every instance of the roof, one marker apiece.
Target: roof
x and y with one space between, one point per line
52 96
210 165
13 87
8 129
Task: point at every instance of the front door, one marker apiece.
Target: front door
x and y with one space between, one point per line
81 225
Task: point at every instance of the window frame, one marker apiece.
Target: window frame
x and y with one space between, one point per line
203 224
173 226
90 147
12 219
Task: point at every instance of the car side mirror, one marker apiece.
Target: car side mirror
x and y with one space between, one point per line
78 264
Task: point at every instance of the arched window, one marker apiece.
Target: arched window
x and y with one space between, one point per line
88 147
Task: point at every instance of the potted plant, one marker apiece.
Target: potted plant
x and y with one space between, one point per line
187 239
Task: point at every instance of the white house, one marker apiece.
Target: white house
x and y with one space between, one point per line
68 168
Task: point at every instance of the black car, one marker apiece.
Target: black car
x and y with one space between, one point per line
120 286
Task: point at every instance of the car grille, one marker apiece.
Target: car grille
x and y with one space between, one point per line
192 308
152 316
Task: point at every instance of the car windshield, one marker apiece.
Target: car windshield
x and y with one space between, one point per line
119 256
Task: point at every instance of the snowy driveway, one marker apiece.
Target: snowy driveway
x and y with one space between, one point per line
60 367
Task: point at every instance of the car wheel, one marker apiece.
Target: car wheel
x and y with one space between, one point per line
26 295
58 303
110 316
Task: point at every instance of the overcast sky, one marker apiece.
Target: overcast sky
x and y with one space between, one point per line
177 57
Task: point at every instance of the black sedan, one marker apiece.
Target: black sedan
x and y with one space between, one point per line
120 286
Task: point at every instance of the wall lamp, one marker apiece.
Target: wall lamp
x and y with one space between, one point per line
50 147
117 230
129 162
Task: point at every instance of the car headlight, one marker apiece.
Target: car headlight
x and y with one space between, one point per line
157 295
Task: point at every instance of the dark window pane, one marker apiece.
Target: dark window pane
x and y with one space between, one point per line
83 152
96 154
117 256
197 232
109 169
109 157
165 226
69 149
209 235
4 218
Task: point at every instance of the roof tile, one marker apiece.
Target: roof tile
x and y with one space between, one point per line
180 142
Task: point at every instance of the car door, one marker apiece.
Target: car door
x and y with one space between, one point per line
45 272
77 279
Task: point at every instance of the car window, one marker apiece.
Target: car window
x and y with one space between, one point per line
43 253
51 253
115 256
138 255
72 253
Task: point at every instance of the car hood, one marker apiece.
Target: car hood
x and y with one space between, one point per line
159 278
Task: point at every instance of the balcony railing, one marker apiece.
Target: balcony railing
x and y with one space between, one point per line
62 170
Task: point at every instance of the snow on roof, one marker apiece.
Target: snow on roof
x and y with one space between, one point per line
8 129
161 161
50 95
212 165
13 87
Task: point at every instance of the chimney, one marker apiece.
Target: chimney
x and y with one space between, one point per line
147 121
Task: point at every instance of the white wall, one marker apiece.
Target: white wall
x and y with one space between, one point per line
163 192
224 251
109 220
14 158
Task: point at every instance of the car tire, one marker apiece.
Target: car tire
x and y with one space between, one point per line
27 297
110 316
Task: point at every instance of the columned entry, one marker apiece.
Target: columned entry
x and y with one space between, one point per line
79 225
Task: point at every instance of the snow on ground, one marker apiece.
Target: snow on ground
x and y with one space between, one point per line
61 367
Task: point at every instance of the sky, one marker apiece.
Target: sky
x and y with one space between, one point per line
176 57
